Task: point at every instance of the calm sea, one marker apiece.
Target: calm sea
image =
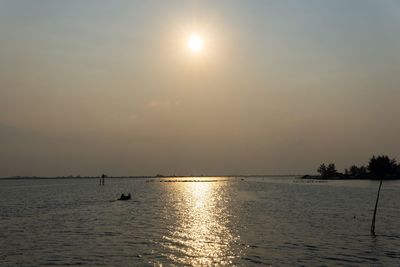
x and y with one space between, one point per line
222 222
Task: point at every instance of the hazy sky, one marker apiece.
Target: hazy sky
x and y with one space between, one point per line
88 87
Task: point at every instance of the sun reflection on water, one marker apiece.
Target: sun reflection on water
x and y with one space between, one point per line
203 236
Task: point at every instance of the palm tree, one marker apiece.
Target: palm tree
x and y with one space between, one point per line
380 166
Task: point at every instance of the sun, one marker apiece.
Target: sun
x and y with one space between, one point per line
195 43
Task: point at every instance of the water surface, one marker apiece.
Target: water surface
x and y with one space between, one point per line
222 222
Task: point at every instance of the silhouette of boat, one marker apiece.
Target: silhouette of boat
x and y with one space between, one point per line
123 197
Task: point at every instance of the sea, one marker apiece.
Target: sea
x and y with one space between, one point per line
198 221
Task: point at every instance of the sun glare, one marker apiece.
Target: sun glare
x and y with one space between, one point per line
195 43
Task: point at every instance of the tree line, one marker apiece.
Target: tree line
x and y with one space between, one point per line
379 167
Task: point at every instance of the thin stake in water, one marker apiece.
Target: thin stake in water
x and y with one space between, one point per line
376 206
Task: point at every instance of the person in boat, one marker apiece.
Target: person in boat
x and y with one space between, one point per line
123 197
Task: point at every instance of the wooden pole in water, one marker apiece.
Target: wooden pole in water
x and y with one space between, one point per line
376 206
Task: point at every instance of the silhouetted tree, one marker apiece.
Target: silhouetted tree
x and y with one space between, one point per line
322 170
380 167
362 172
356 172
328 171
331 170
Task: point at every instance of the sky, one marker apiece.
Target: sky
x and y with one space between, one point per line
92 87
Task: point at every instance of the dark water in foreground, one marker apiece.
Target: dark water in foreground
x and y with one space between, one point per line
255 222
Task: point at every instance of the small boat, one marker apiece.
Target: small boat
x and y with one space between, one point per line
123 197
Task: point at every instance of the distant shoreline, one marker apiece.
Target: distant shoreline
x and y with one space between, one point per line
298 176
142 177
318 177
